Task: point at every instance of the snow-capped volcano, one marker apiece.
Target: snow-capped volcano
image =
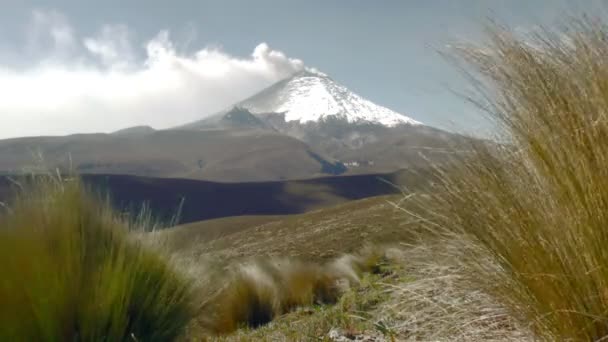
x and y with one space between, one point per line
313 108
344 128
310 96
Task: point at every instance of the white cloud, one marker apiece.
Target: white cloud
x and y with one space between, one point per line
97 84
50 34
112 46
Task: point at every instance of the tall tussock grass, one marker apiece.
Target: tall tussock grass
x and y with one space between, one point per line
71 272
538 206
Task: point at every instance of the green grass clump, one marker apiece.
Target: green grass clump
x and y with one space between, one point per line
539 207
71 272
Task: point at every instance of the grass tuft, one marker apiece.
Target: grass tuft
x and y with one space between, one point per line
71 271
538 207
250 299
304 284
256 293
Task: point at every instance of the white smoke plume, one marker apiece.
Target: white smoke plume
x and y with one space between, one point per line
99 84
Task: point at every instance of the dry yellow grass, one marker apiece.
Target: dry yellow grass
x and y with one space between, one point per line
539 207
422 294
249 299
254 293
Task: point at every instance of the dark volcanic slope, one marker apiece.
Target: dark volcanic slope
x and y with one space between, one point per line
207 200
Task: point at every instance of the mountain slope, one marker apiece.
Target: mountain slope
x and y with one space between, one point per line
234 118
220 155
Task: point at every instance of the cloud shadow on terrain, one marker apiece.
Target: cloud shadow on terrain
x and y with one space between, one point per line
203 200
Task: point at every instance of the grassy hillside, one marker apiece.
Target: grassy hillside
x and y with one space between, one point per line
104 280
317 235
418 290
313 277
418 294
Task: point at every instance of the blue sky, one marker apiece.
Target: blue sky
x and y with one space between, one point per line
385 51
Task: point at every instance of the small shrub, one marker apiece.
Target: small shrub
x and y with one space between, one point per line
70 271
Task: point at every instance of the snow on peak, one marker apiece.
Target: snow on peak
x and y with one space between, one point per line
311 96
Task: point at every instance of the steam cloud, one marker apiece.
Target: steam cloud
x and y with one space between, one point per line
100 84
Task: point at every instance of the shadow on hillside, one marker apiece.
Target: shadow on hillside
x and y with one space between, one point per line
203 200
